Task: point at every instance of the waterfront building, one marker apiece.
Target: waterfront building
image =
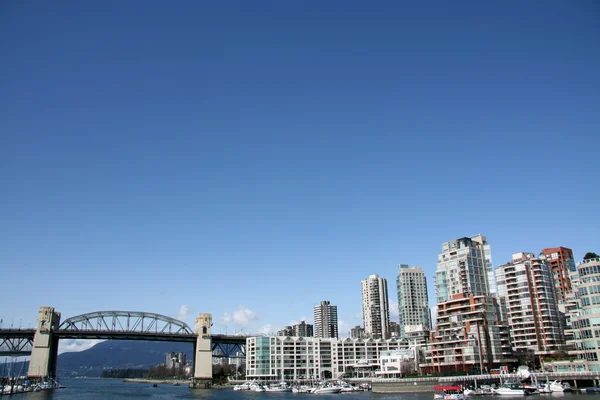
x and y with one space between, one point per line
526 287
326 320
286 331
467 336
395 363
358 332
376 309
463 268
413 300
302 329
561 263
293 358
584 333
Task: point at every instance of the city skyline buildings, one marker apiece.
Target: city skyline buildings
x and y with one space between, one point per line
325 320
375 306
526 294
315 182
462 267
413 299
561 263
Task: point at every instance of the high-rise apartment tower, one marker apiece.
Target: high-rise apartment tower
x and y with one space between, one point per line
463 268
376 309
525 285
326 320
413 302
561 263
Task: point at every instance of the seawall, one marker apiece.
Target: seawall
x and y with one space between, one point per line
403 387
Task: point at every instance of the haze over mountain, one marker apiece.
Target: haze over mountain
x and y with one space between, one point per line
110 354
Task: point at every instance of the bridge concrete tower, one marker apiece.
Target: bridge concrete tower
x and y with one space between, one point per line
203 353
45 345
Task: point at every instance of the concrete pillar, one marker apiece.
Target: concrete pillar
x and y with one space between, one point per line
203 353
45 346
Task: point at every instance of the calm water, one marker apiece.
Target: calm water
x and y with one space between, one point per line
100 389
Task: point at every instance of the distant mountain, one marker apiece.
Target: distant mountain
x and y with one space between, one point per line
111 354
118 354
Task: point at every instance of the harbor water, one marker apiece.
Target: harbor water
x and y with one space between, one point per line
103 389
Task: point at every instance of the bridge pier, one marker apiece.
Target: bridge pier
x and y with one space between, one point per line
203 353
45 345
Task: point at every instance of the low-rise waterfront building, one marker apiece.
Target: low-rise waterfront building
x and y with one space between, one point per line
277 357
396 363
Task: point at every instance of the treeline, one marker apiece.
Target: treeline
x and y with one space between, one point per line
158 372
162 372
124 373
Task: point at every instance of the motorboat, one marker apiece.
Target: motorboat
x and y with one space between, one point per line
511 389
544 388
485 390
346 387
448 393
303 389
326 388
279 387
558 386
243 386
470 392
257 387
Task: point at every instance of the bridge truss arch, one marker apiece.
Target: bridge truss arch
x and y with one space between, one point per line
126 322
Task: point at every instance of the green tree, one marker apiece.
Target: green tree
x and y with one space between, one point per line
590 255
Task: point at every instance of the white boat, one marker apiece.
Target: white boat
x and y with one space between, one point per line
279 387
346 387
448 393
510 389
258 388
303 389
327 388
544 388
243 386
486 390
558 386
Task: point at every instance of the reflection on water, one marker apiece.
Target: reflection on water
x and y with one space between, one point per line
106 389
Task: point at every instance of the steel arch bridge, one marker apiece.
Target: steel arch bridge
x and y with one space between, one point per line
16 342
133 322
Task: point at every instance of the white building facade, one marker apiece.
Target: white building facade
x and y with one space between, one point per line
462 268
297 358
376 309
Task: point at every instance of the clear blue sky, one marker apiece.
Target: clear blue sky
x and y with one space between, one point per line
265 156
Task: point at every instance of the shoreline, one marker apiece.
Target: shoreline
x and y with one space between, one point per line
182 382
157 381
